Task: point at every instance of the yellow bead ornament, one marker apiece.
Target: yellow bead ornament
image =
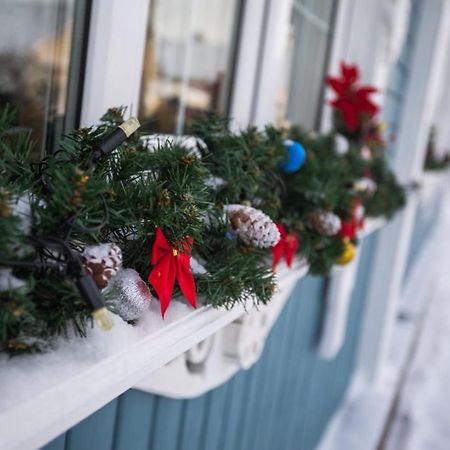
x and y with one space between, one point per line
347 254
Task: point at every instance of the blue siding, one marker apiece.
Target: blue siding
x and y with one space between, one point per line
426 218
284 402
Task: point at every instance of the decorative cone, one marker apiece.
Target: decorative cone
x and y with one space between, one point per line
324 222
102 262
252 226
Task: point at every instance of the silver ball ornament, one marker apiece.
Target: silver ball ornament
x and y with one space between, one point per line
127 295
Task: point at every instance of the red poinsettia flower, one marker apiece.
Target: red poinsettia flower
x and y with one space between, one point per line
352 100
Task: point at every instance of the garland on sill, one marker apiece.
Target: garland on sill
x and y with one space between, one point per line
108 221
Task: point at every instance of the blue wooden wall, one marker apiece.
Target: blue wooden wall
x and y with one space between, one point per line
284 402
426 217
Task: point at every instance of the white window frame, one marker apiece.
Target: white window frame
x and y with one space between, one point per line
394 240
116 52
115 57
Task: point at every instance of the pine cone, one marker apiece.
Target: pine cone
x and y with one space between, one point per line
252 226
324 222
102 262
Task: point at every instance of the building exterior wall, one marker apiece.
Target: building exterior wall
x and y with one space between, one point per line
284 401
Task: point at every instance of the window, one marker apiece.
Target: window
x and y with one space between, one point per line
188 61
299 99
399 79
41 43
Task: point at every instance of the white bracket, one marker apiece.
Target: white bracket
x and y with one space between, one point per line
235 347
334 326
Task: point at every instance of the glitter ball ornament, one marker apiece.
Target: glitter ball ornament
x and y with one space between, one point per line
102 262
324 222
347 254
128 295
252 226
295 156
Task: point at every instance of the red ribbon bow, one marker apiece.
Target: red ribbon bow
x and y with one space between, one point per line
287 246
170 264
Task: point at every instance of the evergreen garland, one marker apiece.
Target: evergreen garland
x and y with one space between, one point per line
73 198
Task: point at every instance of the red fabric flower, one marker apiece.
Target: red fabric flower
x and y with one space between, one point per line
352 100
287 246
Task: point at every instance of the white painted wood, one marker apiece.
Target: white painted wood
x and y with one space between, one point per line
339 295
246 63
273 61
97 373
442 112
334 326
394 240
235 347
115 57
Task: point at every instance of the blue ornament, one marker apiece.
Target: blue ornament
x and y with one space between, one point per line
295 156
231 235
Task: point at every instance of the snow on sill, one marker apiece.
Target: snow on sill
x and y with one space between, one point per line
52 392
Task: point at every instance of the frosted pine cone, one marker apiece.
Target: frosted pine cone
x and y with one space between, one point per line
325 222
102 262
252 226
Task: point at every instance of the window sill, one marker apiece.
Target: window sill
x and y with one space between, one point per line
82 375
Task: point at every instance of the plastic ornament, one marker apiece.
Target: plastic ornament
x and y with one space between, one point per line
325 222
348 253
295 156
341 144
128 295
252 226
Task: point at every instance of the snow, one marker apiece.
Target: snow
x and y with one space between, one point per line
75 355
423 418
417 371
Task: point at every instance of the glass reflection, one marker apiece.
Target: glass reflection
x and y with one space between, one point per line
300 94
188 61
35 49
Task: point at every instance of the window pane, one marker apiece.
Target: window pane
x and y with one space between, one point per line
36 50
188 61
300 96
